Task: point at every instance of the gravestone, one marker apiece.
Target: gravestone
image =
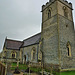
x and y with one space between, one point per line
16 71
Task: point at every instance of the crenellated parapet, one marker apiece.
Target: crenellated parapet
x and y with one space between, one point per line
65 2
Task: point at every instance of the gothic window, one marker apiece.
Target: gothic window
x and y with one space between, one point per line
33 52
33 55
69 49
49 13
40 55
65 12
13 55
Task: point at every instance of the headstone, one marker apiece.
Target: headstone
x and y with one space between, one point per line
16 71
17 63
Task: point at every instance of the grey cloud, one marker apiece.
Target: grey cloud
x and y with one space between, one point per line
20 19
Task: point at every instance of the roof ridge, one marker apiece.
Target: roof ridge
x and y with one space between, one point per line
32 36
14 40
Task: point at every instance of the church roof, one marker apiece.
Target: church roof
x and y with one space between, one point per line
16 45
13 44
32 40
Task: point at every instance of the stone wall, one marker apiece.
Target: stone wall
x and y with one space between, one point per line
50 35
61 10
27 51
52 7
56 32
66 33
8 55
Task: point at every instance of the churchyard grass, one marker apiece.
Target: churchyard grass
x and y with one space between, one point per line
37 70
68 73
34 69
13 64
24 67
21 66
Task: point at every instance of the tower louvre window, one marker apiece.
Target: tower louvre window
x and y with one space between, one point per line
49 13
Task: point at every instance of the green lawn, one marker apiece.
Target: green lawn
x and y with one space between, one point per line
21 66
35 69
65 73
68 73
24 67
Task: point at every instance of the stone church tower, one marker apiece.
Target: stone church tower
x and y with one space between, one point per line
58 44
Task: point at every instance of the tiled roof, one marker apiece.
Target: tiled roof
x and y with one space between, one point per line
32 40
13 44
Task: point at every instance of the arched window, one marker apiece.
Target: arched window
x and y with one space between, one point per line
33 52
33 55
49 13
13 54
65 12
69 49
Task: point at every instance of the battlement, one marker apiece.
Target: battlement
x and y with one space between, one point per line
69 4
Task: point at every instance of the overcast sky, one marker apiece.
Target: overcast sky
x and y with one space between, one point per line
20 19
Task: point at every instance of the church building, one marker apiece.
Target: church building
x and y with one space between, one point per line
55 44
